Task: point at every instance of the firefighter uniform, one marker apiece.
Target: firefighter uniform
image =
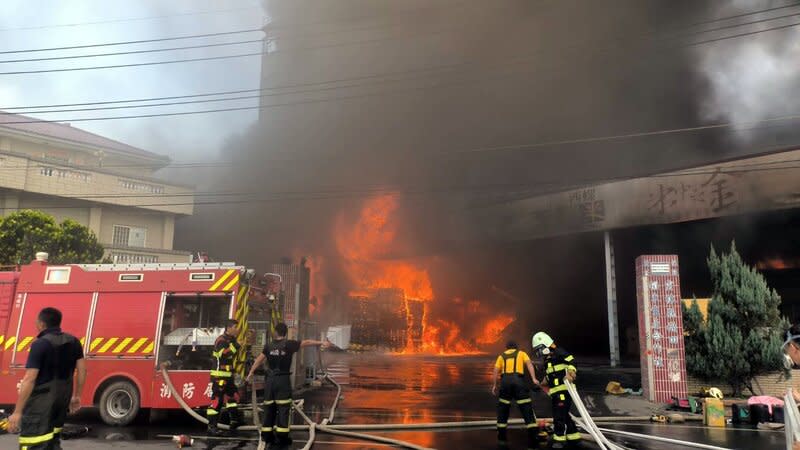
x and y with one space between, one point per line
278 390
557 363
225 394
511 365
55 355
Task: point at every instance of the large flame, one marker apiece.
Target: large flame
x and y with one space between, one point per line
367 245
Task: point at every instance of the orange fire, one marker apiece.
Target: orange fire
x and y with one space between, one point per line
368 247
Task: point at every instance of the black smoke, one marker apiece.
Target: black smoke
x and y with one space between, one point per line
432 90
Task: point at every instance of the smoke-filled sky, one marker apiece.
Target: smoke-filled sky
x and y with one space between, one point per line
437 102
34 24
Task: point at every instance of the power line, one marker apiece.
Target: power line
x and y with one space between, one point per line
140 41
295 49
132 52
359 193
131 19
119 66
737 16
246 97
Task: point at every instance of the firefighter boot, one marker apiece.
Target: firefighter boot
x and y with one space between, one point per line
502 435
213 429
236 418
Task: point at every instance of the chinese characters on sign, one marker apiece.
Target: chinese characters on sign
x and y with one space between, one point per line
716 192
591 209
187 391
660 327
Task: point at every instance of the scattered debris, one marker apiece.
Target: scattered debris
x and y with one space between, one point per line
615 388
182 440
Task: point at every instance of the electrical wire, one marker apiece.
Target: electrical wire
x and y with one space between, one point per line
338 194
139 41
140 64
131 19
322 47
133 52
282 87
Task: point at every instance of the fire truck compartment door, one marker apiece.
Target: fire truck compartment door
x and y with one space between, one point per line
125 325
75 309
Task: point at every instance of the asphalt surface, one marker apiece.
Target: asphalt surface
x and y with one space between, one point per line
414 389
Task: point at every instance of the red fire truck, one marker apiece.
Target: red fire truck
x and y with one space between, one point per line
130 318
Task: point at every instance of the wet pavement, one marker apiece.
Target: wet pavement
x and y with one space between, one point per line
416 389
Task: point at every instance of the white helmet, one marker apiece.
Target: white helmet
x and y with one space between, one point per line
541 342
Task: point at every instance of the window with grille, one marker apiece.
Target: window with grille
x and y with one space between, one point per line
132 258
125 236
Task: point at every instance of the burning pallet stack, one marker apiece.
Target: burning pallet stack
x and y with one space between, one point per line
384 320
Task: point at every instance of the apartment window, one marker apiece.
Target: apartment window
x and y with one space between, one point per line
141 187
125 236
132 258
65 174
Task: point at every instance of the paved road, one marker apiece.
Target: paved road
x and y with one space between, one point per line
411 389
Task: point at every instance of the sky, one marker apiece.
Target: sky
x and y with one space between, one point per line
30 24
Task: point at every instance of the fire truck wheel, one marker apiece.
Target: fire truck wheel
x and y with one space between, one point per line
119 403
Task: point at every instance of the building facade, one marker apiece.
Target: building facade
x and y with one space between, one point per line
103 184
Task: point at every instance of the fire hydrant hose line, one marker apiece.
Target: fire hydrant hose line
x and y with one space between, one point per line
587 423
585 415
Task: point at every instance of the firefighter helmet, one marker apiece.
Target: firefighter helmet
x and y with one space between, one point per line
715 392
541 341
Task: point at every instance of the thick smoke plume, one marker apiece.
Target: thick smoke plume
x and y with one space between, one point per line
388 96
753 78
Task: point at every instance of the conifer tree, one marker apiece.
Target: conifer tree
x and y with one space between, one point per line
742 335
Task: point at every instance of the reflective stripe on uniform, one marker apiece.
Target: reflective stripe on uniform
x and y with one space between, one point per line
28 440
284 402
524 400
531 425
502 400
232 348
559 438
573 436
56 430
569 358
220 373
502 425
557 368
231 405
557 389
269 402
282 430
266 429
211 412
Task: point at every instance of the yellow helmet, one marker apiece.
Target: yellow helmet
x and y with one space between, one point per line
715 392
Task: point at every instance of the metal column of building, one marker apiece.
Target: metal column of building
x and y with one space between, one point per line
611 291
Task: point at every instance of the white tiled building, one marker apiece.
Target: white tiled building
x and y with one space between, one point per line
103 184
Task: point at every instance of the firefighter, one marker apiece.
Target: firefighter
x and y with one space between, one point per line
559 366
223 388
510 366
46 391
278 386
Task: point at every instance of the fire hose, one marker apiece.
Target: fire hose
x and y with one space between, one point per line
586 422
595 430
312 427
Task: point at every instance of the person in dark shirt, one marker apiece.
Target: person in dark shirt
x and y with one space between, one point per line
46 391
278 386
